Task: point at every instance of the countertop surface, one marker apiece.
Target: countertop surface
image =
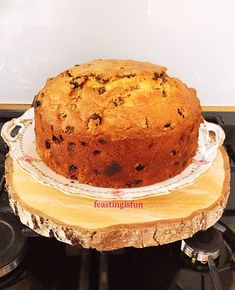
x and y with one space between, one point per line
204 108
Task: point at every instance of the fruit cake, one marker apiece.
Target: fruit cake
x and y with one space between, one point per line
117 123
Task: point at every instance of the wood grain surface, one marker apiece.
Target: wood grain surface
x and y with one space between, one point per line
159 220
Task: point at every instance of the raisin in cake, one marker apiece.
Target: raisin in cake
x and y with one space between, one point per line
117 123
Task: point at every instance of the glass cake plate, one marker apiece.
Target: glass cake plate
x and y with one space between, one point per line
20 136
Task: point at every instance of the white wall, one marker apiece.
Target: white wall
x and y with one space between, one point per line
194 39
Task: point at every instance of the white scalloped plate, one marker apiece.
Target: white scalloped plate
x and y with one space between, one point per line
23 150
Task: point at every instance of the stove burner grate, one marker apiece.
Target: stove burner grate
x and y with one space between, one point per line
202 245
12 244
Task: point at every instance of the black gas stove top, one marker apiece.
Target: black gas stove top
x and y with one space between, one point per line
205 262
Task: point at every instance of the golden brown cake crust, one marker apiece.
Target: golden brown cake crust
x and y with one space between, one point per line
117 123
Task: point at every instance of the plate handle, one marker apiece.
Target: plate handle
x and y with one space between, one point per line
10 131
218 133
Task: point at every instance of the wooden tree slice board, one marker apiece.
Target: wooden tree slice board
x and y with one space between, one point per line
160 220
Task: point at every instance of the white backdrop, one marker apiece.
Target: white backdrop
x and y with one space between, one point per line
194 39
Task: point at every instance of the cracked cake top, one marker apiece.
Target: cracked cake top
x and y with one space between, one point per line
117 98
